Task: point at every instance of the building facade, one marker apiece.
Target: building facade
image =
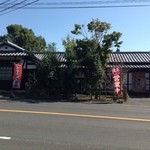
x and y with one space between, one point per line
135 67
10 54
135 70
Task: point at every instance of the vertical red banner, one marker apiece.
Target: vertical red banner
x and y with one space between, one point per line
17 76
116 74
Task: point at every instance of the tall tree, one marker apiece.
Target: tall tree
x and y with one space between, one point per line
51 47
47 76
71 63
24 38
92 49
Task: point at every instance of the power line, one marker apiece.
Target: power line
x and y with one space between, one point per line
86 7
93 2
19 7
90 2
13 5
4 2
8 6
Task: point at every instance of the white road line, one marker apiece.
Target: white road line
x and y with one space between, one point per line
4 138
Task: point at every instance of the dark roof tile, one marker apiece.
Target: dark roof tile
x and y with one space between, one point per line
14 54
129 57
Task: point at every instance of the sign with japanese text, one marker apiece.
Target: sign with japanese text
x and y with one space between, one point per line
116 75
17 76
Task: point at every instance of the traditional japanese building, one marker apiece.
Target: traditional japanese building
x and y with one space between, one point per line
10 54
135 67
135 70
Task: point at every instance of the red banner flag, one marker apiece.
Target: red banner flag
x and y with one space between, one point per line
17 76
116 74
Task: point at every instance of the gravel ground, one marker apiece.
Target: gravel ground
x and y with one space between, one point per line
131 100
139 101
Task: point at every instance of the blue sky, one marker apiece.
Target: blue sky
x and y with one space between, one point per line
55 24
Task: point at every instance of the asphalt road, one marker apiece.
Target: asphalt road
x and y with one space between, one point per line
73 126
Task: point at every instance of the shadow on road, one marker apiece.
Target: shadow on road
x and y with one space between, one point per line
21 97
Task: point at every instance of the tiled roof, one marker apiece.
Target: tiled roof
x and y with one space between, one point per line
129 66
13 54
39 56
124 59
130 57
59 55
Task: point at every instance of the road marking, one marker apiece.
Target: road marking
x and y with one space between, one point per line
5 138
76 115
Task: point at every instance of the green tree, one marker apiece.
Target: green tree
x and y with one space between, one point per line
91 51
70 71
51 47
24 38
47 76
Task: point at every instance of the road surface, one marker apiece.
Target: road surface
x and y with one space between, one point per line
73 126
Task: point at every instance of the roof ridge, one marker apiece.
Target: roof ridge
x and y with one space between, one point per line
14 45
131 52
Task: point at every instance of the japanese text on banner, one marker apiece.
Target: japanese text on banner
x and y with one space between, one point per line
17 76
116 74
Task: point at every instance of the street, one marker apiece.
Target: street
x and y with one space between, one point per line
73 126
